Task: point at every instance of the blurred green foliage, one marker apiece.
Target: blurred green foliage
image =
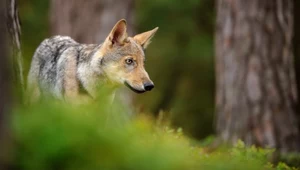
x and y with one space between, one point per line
52 135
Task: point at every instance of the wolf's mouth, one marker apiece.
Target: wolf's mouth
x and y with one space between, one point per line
133 89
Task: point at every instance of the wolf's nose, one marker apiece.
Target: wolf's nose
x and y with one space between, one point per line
148 86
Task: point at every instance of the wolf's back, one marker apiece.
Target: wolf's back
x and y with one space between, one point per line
44 67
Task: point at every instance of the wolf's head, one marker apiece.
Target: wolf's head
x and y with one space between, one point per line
122 58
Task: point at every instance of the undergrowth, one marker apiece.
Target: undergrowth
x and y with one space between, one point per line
57 136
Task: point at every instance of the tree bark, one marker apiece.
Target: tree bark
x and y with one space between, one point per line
5 83
256 94
297 49
89 21
14 32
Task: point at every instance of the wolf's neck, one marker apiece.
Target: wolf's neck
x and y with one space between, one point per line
89 70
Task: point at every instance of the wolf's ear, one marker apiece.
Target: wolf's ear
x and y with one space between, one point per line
118 34
144 38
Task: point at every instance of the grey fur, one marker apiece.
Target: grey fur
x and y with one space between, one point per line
63 68
49 62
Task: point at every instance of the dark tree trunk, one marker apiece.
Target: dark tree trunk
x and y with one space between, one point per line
14 31
89 21
256 93
6 9
297 49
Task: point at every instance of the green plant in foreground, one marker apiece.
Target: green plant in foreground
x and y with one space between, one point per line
56 136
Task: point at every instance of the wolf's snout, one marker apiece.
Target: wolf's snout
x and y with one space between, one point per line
148 86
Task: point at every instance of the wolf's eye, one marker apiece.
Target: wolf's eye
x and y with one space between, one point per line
129 61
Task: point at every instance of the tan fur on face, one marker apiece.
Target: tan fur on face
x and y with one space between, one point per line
117 48
119 73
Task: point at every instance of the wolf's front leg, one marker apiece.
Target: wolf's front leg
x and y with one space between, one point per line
69 83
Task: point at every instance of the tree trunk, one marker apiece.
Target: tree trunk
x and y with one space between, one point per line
6 8
297 50
256 92
14 32
89 21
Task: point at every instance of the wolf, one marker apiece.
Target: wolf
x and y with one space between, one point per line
67 70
